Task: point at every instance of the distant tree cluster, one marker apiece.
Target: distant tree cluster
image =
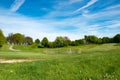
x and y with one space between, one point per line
20 39
65 41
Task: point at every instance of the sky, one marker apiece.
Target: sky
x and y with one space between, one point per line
52 18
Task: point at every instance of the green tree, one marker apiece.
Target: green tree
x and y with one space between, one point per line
18 39
99 41
10 38
51 45
80 41
2 38
28 40
74 43
91 39
67 41
116 38
106 40
60 41
45 42
37 41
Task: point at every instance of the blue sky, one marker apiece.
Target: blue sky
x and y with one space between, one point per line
51 18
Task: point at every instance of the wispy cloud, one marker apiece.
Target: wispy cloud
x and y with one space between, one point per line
87 5
16 5
70 2
99 23
113 24
65 3
38 28
113 7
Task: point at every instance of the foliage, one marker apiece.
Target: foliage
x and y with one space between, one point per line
18 39
81 41
28 40
2 38
60 41
45 42
51 45
67 41
74 43
37 41
116 38
40 46
99 41
91 39
10 38
106 40
0 45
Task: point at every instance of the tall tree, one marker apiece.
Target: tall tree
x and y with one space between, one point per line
91 39
10 38
45 42
37 41
67 41
18 38
116 38
60 41
99 41
28 40
2 38
106 40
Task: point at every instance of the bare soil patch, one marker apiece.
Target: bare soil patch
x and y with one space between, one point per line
15 61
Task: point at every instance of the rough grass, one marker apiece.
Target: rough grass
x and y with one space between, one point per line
4 48
96 62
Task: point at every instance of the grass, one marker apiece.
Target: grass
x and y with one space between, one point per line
95 62
5 48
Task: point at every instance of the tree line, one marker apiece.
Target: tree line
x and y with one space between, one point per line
20 39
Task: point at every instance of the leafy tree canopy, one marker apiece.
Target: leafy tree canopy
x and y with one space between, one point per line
2 38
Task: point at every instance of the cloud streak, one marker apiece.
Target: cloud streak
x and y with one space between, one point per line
87 5
39 28
16 5
99 23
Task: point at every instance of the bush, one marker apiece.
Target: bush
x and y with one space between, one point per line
0 46
40 46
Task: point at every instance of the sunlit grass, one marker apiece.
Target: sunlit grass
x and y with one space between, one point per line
95 62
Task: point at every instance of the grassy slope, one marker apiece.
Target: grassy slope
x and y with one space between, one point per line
96 62
5 48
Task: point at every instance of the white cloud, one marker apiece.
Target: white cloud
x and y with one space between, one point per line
16 5
61 4
45 27
87 5
113 24
62 8
113 7
103 14
72 2
40 28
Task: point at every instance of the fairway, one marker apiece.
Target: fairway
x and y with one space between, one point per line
85 62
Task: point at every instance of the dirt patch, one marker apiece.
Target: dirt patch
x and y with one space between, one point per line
15 61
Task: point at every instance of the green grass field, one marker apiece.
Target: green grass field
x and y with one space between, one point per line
85 62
